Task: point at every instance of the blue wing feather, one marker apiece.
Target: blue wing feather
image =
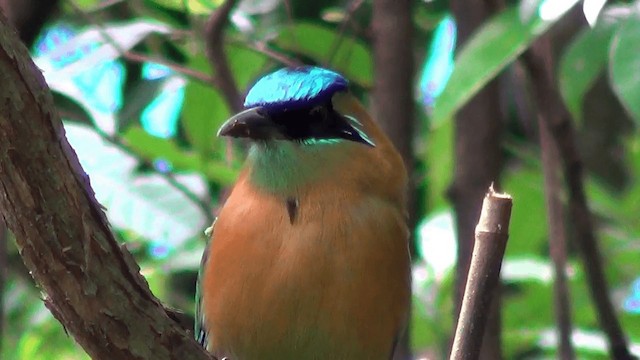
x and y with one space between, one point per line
294 88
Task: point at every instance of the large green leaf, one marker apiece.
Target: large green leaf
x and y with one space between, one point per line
582 63
489 51
624 67
152 148
145 204
328 47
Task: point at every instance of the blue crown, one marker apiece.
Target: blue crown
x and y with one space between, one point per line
295 88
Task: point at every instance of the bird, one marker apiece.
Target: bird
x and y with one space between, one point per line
308 257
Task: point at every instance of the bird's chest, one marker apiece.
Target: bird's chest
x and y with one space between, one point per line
282 283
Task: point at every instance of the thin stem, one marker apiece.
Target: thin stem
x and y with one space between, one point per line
557 238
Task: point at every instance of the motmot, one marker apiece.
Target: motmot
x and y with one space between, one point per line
308 257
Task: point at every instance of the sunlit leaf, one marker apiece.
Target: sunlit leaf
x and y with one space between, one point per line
624 68
196 7
494 46
146 204
100 49
328 47
582 63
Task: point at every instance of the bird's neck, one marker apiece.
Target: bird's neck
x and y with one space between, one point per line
285 167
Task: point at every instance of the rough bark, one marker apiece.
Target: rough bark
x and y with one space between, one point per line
491 235
92 285
392 103
478 129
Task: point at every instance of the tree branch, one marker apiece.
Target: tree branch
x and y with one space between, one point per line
538 61
491 237
557 234
392 103
214 47
92 285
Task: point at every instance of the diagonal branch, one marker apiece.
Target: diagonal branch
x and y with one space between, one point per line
92 285
538 61
214 47
557 234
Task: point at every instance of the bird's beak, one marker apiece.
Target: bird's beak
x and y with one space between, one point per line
252 123
349 132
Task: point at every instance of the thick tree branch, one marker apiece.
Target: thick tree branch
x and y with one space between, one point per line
538 60
491 237
214 47
392 103
92 285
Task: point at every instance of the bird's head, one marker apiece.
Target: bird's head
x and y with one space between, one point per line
295 105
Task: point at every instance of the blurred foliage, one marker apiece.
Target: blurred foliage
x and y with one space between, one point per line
145 130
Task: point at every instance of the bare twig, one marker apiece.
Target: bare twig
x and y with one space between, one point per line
214 47
538 61
557 236
491 237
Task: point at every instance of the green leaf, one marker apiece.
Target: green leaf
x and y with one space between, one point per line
582 63
346 54
203 112
439 159
151 148
197 7
528 223
624 67
246 65
485 55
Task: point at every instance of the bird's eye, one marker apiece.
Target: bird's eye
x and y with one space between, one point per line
319 113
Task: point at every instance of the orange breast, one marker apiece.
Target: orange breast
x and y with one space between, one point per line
334 284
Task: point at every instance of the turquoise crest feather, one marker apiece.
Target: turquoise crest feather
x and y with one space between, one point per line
295 88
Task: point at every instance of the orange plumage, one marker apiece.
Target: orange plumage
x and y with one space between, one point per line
308 257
